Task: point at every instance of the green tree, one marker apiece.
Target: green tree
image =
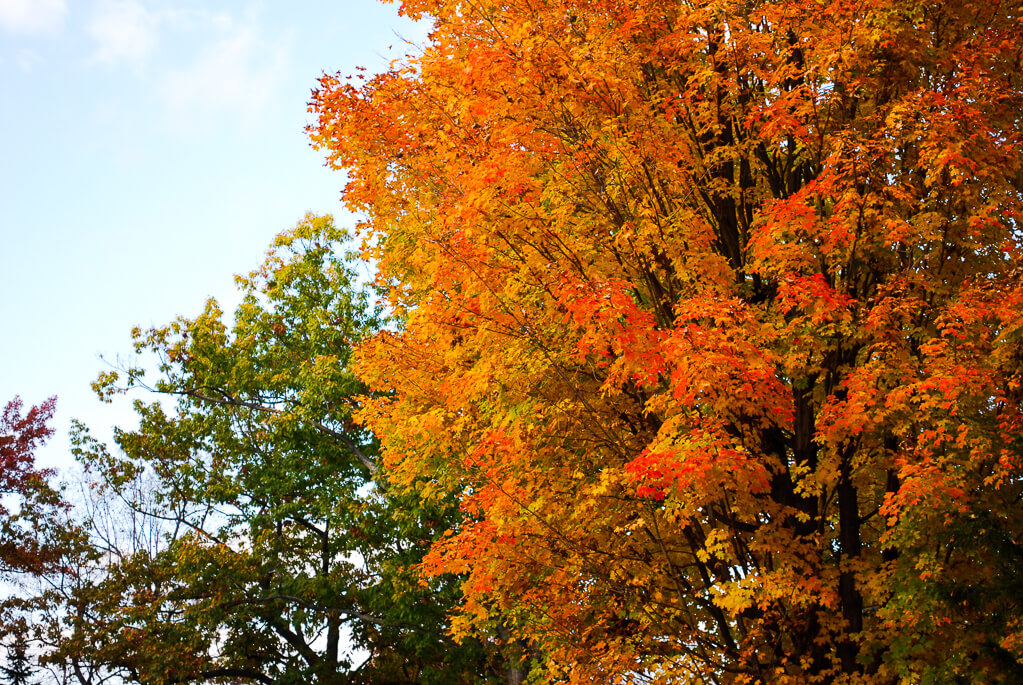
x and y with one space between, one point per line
18 670
280 546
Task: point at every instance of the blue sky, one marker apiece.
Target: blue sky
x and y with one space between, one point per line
150 150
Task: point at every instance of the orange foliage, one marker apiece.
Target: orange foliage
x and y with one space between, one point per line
713 322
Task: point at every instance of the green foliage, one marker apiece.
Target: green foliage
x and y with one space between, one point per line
279 542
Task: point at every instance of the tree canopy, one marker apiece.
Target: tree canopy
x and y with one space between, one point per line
712 324
278 556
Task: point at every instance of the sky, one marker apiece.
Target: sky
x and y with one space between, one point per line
149 151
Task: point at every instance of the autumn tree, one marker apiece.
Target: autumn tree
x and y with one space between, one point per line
713 324
28 525
37 536
270 550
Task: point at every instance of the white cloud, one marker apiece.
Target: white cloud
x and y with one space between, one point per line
32 16
234 75
123 29
130 31
200 66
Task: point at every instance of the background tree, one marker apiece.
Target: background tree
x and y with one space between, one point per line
36 534
714 325
74 615
28 529
280 558
18 670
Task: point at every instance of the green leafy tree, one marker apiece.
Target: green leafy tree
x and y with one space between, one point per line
282 558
